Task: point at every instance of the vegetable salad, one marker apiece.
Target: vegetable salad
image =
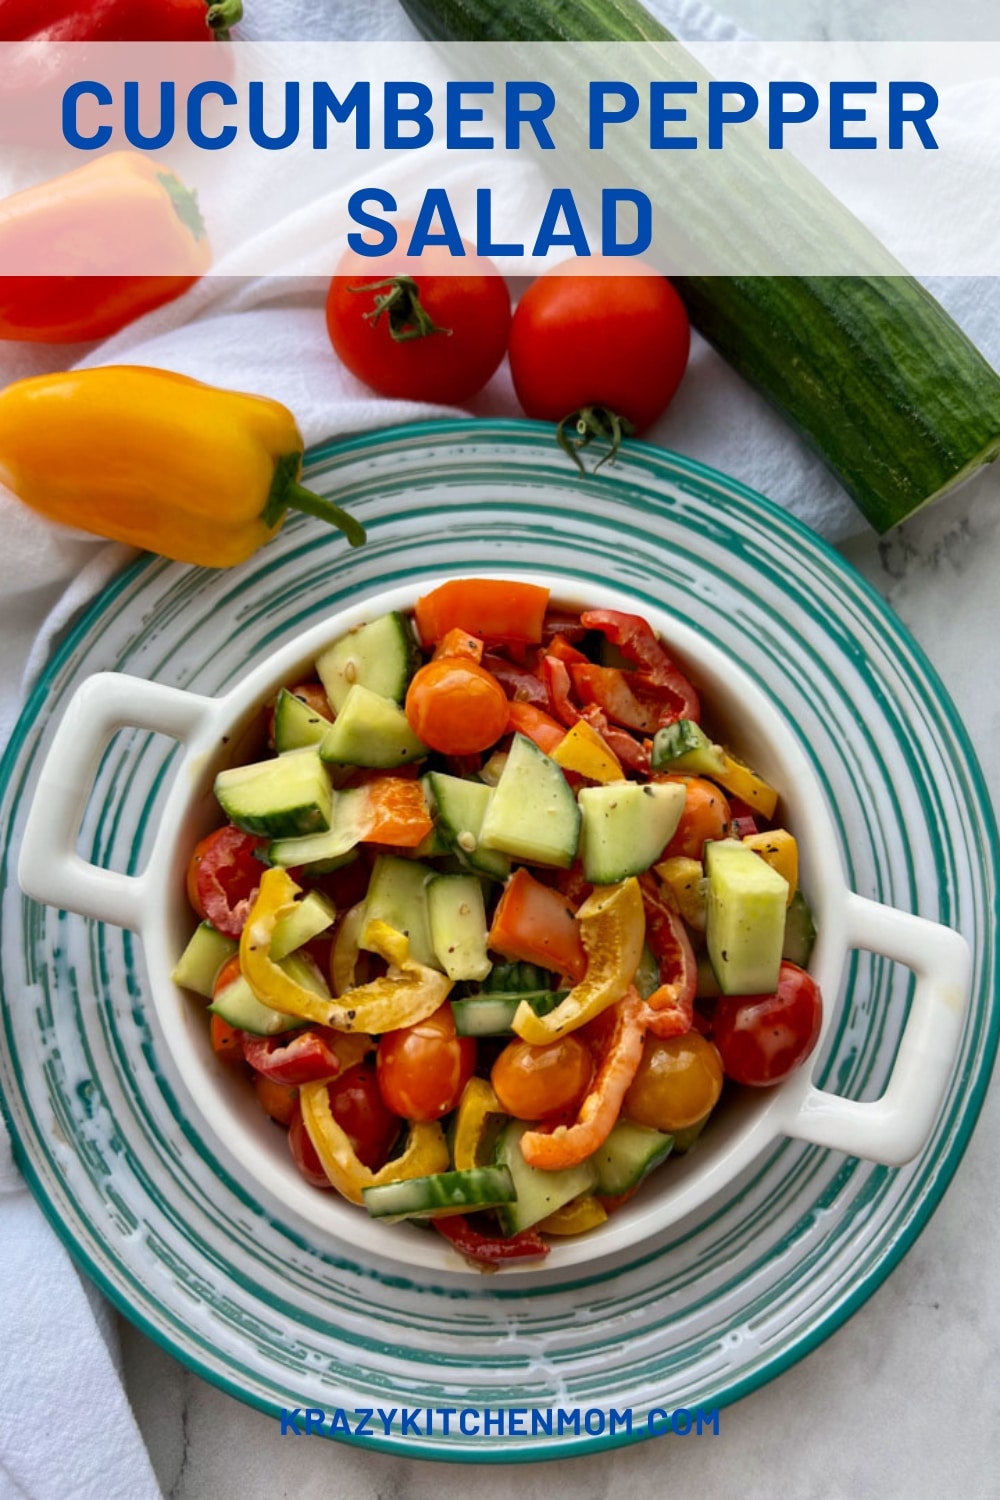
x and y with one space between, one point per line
494 923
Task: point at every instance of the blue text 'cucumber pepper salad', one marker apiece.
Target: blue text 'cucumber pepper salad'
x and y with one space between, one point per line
494 922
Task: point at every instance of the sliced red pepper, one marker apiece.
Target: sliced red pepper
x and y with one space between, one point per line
487 1249
519 683
560 646
744 820
307 1058
225 876
633 754
611 689
525 718
563 622
670 1008
639 644
558 687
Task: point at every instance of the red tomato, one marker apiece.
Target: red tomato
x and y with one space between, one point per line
763 1038
360 1110
582 338
467 319
304 1152
534 1083
456 706
423 1069
222 878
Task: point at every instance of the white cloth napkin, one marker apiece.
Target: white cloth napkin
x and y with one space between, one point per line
269 337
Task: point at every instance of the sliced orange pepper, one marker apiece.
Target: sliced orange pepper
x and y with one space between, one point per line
537 925
612 927
568 1146
525 718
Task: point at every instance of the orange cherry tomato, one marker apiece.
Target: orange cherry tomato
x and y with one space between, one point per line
534 1083
279 1100
423 1069
706 816
678 1082
456 706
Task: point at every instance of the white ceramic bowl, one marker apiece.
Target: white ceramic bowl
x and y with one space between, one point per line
891 1129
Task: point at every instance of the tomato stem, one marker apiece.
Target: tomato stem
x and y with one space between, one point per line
408 318
588 423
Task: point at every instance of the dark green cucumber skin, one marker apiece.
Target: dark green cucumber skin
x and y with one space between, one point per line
869 370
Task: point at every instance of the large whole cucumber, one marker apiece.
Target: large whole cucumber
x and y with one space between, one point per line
869 369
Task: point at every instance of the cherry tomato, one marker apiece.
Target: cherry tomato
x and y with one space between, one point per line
304 1152
763 1038
536 1082
279 1100
456 706
222 878
360 1110
227 1042
581 338
466 317
423 1069
678 1082
706 816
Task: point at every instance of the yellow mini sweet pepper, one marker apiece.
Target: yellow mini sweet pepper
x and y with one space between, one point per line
613 929
408 993
426 1149
143 456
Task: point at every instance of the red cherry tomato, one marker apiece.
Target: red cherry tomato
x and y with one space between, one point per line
456 707
358 1108
763 1038
534 1083
582 338
423 1069
222 878
468 315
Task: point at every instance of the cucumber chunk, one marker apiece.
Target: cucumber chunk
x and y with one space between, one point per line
493 1015
312 915
296 725
198 966
238 1004
532 813
457 915
800 932
286 797
439 1194
319 852
538 1193
397 895
745 918
382 655
370 730
458 808
626 827
685 747
628 1155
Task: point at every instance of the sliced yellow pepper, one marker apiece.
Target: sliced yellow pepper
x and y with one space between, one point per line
613 929
408 993
426 1150
779 849
583 750
477 1103
684 878
576 1217
738 778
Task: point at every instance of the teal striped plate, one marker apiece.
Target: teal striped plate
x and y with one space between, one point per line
177 1236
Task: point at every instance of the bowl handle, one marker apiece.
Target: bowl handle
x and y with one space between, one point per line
893 1129
50 869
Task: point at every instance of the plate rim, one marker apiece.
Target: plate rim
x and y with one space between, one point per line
657 461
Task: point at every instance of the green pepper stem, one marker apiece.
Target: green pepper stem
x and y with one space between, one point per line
221 15
299 498
184 201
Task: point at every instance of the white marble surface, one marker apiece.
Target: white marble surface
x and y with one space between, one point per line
902 1401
